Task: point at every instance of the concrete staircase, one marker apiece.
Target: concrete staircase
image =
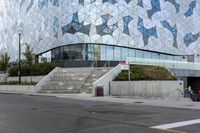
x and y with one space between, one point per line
94 76
73 80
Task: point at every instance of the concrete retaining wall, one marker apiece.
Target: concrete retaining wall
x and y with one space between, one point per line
105 80
26 78
161 89
2 77
17 89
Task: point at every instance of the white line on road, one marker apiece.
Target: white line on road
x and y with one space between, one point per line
177 124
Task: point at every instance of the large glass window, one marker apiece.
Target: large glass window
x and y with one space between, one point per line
163 57
66 52
83 51
155 55
177 58
110 53
131 52
75 52
124 53
96 52
117 53
147 54
46 57
90 52
139 53
103 52
56 54
170 57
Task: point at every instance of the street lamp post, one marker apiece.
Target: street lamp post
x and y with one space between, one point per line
19 71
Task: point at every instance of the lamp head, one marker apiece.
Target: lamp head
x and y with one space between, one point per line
20 30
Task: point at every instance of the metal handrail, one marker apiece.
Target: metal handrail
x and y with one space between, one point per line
91 71
105 64
92 64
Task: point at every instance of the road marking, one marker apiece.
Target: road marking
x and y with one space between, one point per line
177 124
173 131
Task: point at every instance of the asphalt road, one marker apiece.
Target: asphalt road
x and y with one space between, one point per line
35 114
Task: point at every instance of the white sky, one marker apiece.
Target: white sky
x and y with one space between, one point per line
2 4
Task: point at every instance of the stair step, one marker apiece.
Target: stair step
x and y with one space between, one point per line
59 91
53 87
66 83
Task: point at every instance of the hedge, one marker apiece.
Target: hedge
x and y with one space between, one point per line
37 69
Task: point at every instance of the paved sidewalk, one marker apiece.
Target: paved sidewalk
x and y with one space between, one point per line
183 103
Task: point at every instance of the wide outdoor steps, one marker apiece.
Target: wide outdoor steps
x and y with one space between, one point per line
73 80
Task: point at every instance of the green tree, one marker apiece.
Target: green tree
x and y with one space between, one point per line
4 60
29 58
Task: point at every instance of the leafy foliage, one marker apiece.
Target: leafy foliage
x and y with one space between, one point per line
146 72
28 56
37 69
4 60
17 83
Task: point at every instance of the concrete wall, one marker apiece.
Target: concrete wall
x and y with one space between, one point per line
2 77
105 80
161 89
17 89
26 78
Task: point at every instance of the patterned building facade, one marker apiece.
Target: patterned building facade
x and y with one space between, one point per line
102 29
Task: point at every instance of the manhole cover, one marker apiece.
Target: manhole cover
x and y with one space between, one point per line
138 102
118 97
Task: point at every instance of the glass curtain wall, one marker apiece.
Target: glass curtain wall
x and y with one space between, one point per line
100 52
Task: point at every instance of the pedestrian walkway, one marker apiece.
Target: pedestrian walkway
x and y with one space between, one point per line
182 103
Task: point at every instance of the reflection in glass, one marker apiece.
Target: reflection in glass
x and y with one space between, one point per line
103 52
96 52
170 57
163 57
90 52
66 52
110 53
124 53
131 52
155 55
139 54
117 53
147 54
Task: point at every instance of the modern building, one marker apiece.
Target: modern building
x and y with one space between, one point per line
83 31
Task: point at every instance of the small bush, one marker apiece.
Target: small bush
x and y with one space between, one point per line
17 83
37 69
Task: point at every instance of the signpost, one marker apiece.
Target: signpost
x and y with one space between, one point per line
126 66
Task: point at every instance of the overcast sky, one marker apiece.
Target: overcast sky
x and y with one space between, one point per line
1 5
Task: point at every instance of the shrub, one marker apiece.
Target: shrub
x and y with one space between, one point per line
146 72
17 83
37 69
